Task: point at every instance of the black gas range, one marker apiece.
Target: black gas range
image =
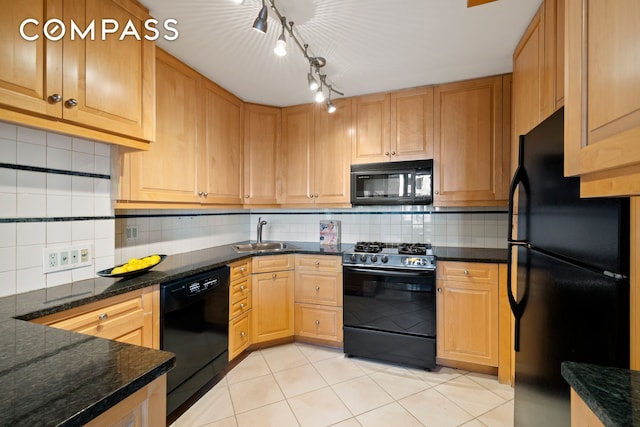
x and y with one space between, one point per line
389 302
391 255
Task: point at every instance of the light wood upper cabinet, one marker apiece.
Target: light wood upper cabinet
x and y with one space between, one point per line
412 124
314 154
471 162
262 127
221 162
98 84
167 172
602 99
393 126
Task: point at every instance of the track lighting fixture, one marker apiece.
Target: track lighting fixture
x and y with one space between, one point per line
281 44
316 85
260 24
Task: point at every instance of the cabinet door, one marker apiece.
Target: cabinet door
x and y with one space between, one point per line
239 334
30 71
110 80
371 128
528 60
167 172
273 306
319 322
602 99
469 168
412 124
220 177
296 155
468 321
261 134
333 154
553 81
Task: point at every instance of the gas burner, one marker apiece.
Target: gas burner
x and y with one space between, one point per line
414 248
368 247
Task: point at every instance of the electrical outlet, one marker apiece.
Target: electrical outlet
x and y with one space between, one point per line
131 232
58 259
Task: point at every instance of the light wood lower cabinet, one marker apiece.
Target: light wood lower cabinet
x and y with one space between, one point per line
318 299
581 414
144 408
132 318
240 303
467 313
272 295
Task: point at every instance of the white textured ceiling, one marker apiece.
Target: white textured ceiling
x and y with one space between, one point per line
370 45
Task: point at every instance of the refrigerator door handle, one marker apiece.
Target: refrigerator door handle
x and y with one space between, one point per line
519 178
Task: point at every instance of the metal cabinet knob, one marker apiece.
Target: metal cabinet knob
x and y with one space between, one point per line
206 194
241 305
55 98
242 269
246 197
243 334
316 196
103 316
439 289
200 193
393 153
437 192
310 196
386 153
274 275
317 263
317 288
317 322
466 272
242 288
71 102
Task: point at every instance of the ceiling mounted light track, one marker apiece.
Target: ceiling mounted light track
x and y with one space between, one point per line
317 85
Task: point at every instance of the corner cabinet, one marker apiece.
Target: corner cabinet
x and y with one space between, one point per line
314 155
467 313
393 126
262 127
197 156
272 294
602 100
133 318
98 85
318 299
471 154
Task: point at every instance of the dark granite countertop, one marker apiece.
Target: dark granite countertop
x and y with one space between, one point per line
55 377
490 255
52 377
613 394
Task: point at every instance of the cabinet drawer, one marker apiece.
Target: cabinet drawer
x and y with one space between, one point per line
239 335
241 306
318 288
240 269
263 264
318 322
477 272
239 289
319 263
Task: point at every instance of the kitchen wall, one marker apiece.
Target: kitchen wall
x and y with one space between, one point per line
54 191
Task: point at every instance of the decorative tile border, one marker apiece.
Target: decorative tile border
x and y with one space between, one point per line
55 171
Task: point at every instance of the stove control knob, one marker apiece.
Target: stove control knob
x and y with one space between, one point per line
354 258
374 258
384 259
363 258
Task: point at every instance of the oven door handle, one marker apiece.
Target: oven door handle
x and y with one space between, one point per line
386 272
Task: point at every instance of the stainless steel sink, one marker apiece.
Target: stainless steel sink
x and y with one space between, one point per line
263 247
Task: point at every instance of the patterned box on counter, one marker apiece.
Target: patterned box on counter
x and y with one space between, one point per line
329 232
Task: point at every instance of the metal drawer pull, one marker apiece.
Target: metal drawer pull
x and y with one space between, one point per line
103 316
439 289
466 272
241 305
317 323
274 275
242 288
55 98
317 288
241 269
242 334
317 263
71 102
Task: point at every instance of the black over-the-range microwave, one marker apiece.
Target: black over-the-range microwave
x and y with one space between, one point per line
392 183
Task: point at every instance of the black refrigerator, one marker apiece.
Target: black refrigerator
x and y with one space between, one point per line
572 296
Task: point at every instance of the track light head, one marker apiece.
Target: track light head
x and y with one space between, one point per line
260 24
281 43
319 95
330 107
313 83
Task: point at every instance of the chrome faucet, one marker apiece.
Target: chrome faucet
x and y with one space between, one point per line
260 224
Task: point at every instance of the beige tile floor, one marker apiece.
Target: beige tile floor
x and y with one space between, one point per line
312 386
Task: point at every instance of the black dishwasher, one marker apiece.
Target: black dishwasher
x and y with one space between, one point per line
194 324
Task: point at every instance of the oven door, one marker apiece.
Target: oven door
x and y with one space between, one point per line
390 300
